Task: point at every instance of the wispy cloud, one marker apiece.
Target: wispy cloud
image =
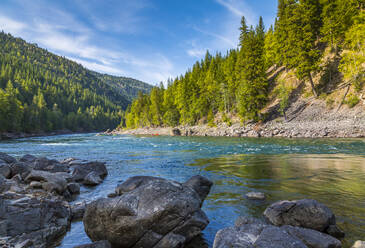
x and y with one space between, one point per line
64 34
229 5
217 36
114 16
11 26
239 8
195 52
94 66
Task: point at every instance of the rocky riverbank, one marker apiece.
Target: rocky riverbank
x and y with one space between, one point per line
36 195
304 119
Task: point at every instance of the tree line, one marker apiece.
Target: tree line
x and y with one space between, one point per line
237 82
40 91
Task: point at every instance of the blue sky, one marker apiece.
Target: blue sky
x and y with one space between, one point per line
150 40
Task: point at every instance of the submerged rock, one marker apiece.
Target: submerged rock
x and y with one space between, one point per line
149 212
256 196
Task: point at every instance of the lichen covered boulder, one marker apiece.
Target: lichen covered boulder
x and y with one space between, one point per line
149 212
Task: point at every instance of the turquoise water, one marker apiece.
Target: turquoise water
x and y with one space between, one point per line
330 171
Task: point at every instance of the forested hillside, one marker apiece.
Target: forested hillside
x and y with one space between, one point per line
320 42
40 91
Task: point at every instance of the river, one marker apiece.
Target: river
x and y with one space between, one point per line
331 171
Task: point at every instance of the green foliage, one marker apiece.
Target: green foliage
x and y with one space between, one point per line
40 91
252 89
237 82
283 93
270 45
226 120
352 100
330 102
210 119
337 17
353 58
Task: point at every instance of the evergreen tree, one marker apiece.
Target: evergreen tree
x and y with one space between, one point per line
252 78
243 30
309 54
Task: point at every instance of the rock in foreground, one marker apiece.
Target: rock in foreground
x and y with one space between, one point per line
40 220
255 233
303 213
149 212
34 195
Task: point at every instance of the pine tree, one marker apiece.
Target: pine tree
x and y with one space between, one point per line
251 66
307 33
243 30
270 48
353 57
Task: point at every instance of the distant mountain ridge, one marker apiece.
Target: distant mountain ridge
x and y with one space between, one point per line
41 91
129 87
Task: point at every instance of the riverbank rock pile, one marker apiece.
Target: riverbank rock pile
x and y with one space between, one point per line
34 198
288 224
149 212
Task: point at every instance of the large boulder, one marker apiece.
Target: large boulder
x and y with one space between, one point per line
149 212
302 213
81 170
40 220
249 232
50 181
7 158
49 165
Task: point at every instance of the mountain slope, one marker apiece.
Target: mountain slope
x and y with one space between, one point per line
40 91
319 44
128 87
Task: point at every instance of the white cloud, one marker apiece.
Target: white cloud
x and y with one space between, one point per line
78 45
195 52
99 67
11 26
239 8
220 37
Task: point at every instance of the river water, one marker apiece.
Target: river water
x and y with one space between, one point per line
331 171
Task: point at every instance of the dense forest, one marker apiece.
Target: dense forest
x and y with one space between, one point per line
305 32
40 91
